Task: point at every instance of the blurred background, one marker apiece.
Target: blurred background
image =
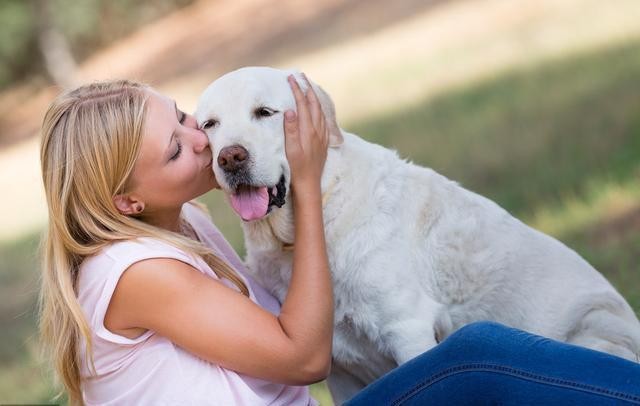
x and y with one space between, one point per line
533 103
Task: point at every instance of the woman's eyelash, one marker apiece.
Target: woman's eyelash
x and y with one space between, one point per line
183 116
178 151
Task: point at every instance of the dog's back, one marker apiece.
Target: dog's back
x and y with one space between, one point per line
414 254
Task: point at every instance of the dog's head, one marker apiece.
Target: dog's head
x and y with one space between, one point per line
242 113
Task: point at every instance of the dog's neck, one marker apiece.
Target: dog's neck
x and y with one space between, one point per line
326 195
278 232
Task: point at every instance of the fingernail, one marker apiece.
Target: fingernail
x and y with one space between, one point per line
290 115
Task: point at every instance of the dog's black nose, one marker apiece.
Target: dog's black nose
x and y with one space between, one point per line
233 158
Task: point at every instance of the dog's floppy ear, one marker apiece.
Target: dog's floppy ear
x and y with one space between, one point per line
328 108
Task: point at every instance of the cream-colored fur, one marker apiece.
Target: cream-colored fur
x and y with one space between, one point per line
413 255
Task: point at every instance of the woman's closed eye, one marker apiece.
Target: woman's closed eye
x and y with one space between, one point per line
178 151
182 116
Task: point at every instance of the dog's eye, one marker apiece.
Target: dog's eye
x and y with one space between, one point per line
208 124
264 112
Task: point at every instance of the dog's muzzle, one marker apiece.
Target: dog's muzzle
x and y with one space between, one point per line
250 200
253 202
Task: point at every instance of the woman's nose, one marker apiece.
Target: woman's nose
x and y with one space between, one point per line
200 140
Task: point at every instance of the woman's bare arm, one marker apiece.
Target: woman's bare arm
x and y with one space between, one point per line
220 325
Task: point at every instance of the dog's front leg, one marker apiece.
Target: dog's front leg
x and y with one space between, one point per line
411 331
411 340
343 384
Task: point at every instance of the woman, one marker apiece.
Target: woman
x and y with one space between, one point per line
143 302
119 164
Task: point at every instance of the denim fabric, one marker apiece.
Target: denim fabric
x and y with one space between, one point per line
486 363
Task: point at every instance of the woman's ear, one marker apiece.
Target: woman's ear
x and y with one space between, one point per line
128 205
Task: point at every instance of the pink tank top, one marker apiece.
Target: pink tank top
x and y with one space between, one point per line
150 369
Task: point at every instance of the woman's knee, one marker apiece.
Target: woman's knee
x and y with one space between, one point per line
478 330
482 337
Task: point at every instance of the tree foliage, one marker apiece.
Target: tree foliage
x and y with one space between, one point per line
87 25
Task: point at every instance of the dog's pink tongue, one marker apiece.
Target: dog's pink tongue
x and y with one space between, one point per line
250 202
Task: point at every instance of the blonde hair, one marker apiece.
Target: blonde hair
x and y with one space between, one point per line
91 138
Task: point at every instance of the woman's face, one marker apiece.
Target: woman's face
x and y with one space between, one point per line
174 165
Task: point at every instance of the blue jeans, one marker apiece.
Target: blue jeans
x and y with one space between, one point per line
487 363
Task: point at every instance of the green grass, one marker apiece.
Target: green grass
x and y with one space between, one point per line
557 144
22 377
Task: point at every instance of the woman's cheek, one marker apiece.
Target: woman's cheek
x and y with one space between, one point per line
191 170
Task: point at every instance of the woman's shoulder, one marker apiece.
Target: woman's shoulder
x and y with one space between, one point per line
137 249
138 246
119 255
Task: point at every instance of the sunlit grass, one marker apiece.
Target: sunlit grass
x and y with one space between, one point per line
603 225
320 392
456 43
601 202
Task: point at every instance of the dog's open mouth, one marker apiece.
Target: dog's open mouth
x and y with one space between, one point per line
255 202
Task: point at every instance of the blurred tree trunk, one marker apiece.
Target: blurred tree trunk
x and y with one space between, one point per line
53 45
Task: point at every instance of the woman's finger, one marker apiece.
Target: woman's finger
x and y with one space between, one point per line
301 103
315 109
291 133
317 114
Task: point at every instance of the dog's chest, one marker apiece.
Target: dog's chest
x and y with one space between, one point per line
358 354
272 270
354 324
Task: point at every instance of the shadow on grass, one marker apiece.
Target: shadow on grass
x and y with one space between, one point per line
529 137
22 377
19 284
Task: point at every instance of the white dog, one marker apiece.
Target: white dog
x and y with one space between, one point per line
413 255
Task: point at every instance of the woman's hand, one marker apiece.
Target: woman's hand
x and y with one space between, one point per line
306 138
